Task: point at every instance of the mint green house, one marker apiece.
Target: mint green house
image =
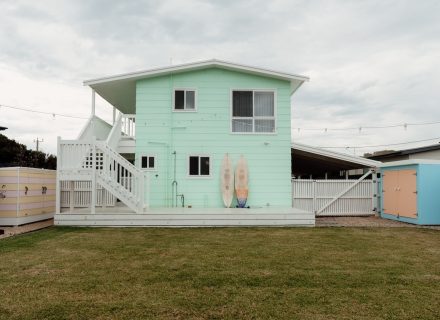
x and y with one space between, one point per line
161 155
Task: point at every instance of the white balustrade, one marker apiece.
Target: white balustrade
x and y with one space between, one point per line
128 126
113 172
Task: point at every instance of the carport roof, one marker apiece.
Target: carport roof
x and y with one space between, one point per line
310 158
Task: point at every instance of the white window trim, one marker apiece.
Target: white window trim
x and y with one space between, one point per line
149 155
199 176
275 132
184 100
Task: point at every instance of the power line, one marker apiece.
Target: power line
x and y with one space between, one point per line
360 128
53 114
380 145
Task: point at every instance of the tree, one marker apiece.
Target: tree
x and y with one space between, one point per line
14 154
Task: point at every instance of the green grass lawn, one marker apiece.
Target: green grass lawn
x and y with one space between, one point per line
232 273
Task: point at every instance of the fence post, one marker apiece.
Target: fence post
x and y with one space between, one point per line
374 195
314 197
58 182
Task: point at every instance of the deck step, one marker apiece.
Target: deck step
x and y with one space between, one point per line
195 217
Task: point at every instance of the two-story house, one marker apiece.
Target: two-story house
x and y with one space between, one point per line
162 154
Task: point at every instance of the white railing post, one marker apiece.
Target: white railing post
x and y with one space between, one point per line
141 182
93 202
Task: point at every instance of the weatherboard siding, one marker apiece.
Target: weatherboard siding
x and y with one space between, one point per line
160 131
24 200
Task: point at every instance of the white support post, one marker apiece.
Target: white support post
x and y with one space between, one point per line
58 185
114 115
93 202
93 102
93 111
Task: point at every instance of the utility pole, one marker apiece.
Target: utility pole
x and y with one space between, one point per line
38 143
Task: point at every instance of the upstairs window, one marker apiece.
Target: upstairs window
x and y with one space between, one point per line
199 166
148 162
253 111
184 100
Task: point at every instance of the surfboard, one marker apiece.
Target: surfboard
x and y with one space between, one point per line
227 181
241 182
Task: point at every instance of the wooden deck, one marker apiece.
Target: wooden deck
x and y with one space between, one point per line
186 217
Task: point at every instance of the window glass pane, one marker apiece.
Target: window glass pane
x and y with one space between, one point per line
264 125
179 96
242 104
190 100
144 162
151 162
264 104
194 166
204 166
241 125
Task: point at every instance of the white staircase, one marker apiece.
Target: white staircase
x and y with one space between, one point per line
96 161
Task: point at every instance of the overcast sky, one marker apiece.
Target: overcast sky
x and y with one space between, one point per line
370 62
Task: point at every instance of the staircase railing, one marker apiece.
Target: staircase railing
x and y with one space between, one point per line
125 181
131 182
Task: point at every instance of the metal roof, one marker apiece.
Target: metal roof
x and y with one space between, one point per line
406 152
120 90
336 155
409 162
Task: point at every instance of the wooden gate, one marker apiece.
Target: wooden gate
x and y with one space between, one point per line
336 197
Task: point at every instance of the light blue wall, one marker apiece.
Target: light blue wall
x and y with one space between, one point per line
159 132
428 194
429 197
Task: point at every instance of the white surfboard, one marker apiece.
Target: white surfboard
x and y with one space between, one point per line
241 182
227 181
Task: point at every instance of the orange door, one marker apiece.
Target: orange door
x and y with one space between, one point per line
407 189
390 194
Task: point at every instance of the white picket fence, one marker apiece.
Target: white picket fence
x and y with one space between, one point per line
335 197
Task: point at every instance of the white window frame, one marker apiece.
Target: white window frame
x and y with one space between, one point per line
184 100
148 156
253 118
199 176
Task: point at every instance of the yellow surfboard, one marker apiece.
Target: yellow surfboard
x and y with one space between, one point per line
227 181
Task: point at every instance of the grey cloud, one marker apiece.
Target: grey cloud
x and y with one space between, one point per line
369 61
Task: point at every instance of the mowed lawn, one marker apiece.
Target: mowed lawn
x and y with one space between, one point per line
221 273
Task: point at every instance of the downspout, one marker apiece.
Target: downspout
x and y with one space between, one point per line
174 184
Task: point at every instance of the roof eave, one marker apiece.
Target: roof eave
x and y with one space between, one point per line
198 65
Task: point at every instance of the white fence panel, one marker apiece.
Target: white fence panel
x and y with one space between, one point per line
82 195
312 195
